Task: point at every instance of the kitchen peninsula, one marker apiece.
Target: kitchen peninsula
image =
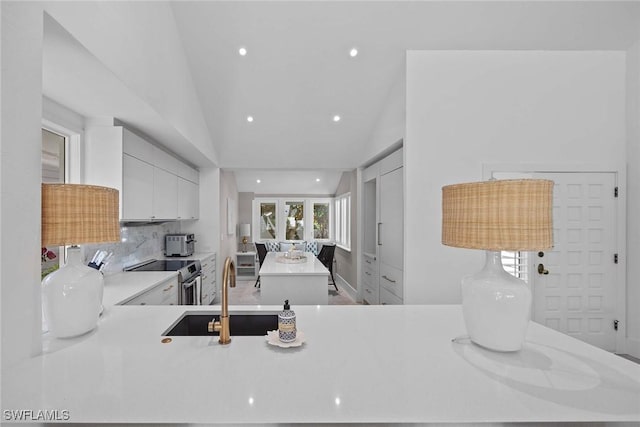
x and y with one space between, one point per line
301 281
358 364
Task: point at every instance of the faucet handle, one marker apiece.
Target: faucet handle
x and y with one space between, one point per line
214 326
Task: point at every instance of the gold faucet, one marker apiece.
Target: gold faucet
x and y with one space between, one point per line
222 326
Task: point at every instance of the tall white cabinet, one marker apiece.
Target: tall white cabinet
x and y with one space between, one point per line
153 184
383 231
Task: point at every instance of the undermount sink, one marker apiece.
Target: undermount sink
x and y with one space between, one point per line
240 324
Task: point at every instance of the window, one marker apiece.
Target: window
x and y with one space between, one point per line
287 219
516 264
53 159
343 221
268 220
321 216
294 213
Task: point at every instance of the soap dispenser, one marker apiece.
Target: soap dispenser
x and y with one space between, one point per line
287 324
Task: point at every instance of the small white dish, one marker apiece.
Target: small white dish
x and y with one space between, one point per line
273 338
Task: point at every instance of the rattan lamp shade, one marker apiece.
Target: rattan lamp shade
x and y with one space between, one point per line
502 215
73 214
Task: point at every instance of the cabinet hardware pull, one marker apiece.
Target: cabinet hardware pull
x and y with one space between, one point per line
392 281
367 273
367 261
379 237
367 290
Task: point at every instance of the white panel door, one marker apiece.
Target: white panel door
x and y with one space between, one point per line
576 288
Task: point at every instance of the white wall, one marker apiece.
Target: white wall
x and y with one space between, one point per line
466 108
390 125
228 242
207 227
346 265
20 177
633 200
140 44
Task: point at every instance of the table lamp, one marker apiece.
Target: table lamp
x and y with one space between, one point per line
245 232
73 214
497 215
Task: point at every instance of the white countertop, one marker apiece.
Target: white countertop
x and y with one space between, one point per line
122 286
358 364
312 266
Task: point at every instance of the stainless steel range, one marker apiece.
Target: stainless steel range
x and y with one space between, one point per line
189 278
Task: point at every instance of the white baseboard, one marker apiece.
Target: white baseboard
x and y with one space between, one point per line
343 285
633 347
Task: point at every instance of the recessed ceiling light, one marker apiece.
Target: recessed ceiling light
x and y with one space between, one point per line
258 181
317 179
336 118
242 51
353 52
249 119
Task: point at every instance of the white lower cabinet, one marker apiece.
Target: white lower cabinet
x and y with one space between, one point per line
387 298
165 293
209 289
370 293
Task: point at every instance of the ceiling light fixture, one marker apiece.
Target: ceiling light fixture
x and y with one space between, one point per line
336 118
250 119
317 179
258 181
353 52
242 51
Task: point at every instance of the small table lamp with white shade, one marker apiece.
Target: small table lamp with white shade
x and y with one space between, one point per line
245 232
73 214
497 215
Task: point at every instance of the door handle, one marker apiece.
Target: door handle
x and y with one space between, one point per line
379 237
541 269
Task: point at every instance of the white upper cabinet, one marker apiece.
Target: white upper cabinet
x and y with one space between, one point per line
137 189
188 198
153 184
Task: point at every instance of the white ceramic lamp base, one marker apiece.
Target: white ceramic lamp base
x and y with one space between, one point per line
496 306
72 297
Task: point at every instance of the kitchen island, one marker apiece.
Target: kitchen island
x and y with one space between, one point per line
303 281
389 364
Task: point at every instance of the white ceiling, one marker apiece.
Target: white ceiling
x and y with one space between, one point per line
298 73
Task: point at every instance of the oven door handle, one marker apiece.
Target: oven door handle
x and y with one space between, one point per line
198 293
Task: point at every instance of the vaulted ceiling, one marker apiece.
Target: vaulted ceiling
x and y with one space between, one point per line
298 74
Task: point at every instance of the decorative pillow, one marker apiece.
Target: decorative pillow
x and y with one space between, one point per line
299 246
312 247
272 246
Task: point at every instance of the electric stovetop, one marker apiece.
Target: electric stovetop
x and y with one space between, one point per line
162 265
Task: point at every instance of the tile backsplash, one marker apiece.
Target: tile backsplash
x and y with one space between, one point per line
137 243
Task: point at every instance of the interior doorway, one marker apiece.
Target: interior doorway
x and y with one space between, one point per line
576 286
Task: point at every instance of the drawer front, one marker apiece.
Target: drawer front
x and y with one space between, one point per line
370 294
387 298
391 280
170 293
369 271
208 264
153 296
